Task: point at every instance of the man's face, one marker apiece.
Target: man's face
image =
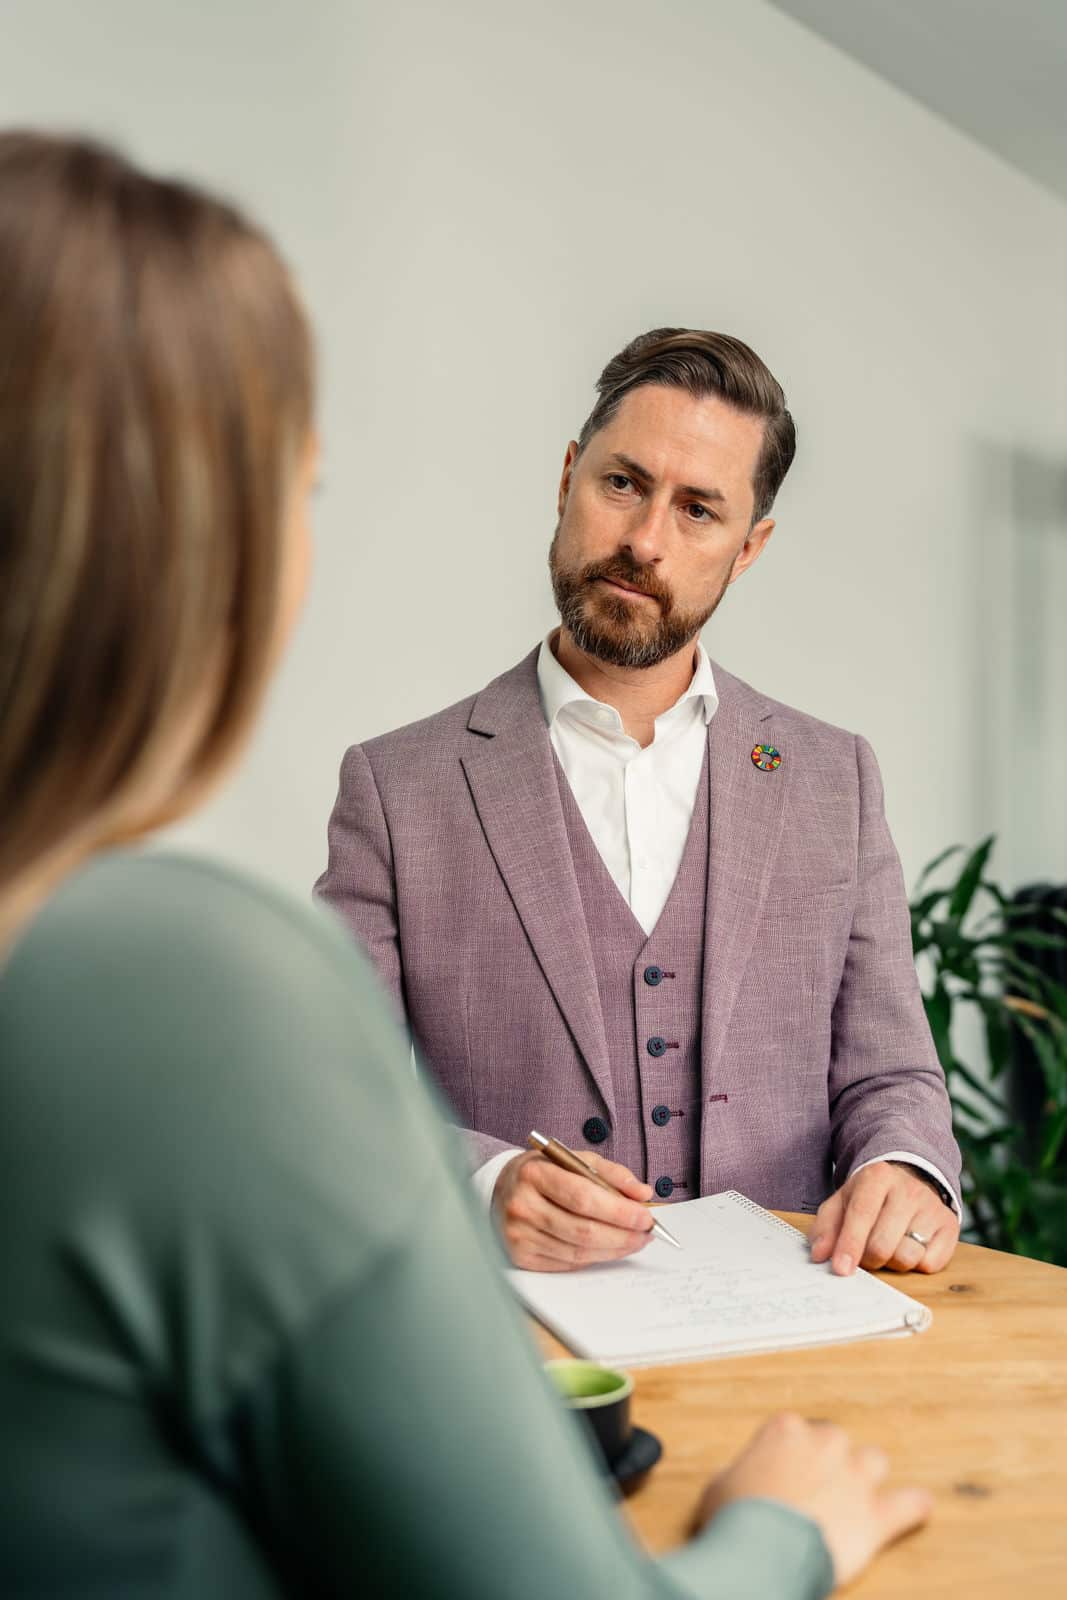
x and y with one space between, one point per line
654 524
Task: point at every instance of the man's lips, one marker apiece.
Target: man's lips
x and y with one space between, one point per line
627 588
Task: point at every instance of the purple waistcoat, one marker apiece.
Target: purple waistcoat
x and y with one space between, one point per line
650 995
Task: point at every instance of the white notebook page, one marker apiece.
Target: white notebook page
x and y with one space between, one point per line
743 1281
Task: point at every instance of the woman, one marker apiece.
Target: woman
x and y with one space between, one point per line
252 1339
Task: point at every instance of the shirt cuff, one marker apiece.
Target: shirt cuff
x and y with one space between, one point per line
925 1166
484 1179
751 1549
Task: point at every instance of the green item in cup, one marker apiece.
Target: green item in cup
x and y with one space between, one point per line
602 1395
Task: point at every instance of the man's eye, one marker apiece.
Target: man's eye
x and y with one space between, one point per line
699 513
618 480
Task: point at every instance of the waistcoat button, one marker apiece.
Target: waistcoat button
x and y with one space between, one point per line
661 1115
595 1130
656 1046
653 975
664 1188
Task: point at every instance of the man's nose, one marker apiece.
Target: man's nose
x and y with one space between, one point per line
646 536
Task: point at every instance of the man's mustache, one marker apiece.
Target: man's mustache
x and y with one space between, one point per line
623 570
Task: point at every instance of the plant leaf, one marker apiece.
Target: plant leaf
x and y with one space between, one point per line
922 907
1053 1138
1052 1055
938 1009
1033 909
969 879
932 866
1033 979
974 1082
1029 939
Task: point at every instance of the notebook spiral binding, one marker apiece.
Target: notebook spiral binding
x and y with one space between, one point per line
758 1211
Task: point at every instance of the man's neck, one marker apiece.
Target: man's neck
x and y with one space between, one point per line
639 695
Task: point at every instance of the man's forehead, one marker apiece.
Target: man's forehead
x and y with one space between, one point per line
674 434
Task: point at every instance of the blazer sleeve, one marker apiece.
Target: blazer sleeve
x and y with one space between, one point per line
887 1090
359 884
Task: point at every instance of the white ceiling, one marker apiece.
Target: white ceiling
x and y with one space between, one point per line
997 69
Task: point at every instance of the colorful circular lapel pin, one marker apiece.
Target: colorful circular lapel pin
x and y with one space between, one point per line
766 757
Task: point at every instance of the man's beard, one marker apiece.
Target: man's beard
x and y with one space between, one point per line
618 631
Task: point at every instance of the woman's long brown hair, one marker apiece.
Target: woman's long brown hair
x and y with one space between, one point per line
155 400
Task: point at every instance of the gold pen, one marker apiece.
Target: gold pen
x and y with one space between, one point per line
565 1158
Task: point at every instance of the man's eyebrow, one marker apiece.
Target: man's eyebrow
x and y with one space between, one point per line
693 490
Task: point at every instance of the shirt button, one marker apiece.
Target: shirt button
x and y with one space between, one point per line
595 1130
653 975
664 1188
656 1046
661 1115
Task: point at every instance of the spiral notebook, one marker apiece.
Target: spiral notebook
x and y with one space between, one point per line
743 1281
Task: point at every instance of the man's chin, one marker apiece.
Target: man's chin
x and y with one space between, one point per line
617 646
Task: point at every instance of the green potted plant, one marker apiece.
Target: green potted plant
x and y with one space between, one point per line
975 949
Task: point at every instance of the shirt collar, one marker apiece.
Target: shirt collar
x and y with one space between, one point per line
559 690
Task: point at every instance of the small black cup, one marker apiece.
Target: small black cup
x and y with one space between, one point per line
602 1396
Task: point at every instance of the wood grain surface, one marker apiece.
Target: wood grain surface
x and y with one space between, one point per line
975 1409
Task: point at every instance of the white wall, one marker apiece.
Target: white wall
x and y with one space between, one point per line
484 202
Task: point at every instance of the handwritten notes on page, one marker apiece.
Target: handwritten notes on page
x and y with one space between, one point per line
743 1281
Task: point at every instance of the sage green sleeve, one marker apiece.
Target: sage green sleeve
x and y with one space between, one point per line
409 1445
240 1213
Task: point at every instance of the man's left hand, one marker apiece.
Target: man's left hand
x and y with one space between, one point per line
868 1220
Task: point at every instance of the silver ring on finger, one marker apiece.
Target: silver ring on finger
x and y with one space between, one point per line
920 1238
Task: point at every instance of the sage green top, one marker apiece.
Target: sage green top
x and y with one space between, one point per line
253 1336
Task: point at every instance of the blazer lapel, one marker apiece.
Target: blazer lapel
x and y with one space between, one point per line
747 808
513 783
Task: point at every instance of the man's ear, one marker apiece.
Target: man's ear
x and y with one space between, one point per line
752 548
565 478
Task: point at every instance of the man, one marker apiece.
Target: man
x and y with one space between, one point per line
624 899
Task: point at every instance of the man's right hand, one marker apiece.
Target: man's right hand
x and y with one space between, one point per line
554 1221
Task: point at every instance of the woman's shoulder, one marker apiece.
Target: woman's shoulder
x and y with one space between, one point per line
207 1096
165 894
182 983
160 920
201 1034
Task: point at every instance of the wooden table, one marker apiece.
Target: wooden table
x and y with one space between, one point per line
974 1409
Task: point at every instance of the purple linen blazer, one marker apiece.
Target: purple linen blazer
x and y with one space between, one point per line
449 861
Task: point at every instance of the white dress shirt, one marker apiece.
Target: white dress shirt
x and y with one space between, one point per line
637 805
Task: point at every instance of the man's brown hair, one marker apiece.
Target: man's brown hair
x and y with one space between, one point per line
155 402
704 364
